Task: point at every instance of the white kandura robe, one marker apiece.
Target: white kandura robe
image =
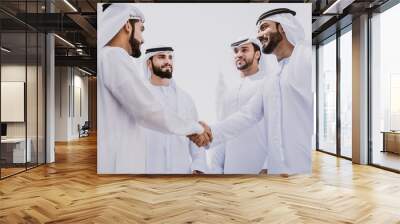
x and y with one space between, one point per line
125 102
285 101
173 154
246 153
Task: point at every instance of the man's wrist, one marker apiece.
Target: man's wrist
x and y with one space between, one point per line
198 128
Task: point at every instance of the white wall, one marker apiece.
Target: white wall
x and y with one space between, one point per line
69 81
201 35
33 127
61 103
79 117
12 73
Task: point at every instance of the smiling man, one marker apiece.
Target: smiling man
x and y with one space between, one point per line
125 101
167 153
285 100
246 153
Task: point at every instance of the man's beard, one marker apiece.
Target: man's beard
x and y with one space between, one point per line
274 39
135 45
246 64
160 73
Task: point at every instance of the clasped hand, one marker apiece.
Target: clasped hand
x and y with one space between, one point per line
204 138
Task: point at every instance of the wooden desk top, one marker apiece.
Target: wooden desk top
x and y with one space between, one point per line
391 132
13 140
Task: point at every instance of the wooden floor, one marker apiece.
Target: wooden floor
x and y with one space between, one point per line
70 191
5 172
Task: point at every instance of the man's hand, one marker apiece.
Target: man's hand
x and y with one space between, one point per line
207 131
198 139
204 138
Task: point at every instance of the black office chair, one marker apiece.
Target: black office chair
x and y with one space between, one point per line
84 130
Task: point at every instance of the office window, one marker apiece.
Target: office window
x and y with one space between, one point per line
22 90
31 100
385 89
14 145
327 96
346 93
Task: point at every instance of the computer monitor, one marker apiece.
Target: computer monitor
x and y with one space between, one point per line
3 129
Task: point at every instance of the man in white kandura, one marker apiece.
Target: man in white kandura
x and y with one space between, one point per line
246 153
167 153
285 100
125 100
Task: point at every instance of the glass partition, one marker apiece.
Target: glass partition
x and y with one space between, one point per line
346 93
327 96
22 88
13 105
385 89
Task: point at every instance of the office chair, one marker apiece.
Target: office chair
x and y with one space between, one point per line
84 130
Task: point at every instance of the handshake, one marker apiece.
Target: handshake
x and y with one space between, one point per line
204 138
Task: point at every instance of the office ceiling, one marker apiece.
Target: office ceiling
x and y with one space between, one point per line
79 27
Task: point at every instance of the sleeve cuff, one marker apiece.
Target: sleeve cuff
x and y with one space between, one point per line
217 170
199 165
265 165
197 128
216 137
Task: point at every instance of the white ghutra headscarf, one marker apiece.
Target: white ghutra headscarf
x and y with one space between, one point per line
286 17
113 19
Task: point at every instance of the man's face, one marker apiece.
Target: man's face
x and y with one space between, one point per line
136 38
269 36
162 65
244 56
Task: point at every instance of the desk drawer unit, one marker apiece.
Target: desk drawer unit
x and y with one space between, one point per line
391 142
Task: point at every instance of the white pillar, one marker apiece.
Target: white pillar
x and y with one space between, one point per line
50 93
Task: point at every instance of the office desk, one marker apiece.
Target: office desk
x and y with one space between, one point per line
391 142
13 150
